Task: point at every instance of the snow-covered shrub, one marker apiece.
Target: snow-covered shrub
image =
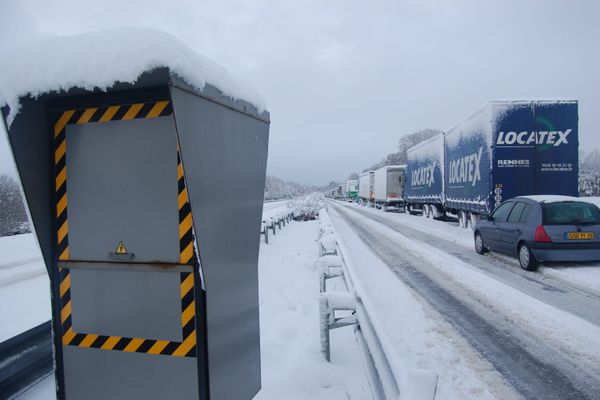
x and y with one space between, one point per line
307 208
13 217
589 183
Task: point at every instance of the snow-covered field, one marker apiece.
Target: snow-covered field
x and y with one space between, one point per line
24 286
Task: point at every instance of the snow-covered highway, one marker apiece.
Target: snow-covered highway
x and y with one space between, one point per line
530 333
488 329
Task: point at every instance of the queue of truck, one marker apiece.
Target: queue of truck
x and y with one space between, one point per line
504 150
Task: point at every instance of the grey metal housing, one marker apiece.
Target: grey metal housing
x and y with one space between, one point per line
223 145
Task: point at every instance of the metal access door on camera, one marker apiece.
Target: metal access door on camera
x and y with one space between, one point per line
126 255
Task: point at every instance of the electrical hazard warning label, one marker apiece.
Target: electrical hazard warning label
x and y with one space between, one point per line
121 249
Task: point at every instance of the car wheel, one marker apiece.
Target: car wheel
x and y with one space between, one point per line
527 260
480 247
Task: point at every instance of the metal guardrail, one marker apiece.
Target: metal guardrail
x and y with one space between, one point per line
274 223
385 380
25 359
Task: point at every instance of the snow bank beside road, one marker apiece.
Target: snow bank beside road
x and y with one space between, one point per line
587 276
292 365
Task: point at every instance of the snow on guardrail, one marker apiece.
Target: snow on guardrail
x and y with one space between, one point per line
274 218
278 213
388 378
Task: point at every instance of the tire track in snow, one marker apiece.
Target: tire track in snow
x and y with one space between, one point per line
534 370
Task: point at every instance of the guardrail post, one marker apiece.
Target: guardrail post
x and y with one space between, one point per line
329 267
273 227
329 303
324 328
327 245
266 229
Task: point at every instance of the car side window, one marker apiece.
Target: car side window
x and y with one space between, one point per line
502 212
525 213
515 214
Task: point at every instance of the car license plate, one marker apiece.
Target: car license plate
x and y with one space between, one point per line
579 235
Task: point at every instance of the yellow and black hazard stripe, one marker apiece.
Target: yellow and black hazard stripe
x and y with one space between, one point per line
185 348
186 233
153 109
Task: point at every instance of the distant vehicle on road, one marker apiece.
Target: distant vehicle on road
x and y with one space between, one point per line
389 187
541 229
366 183
352 189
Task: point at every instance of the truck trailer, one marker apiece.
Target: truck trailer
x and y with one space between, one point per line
504 150
365 187
389 187
425 177
509 149
352 189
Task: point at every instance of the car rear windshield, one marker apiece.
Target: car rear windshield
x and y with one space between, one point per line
570 213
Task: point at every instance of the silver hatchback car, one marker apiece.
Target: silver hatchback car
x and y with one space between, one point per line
542 228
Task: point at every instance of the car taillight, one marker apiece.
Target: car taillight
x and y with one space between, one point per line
541 235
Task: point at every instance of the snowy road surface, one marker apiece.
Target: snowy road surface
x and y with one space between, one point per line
579 301
530 332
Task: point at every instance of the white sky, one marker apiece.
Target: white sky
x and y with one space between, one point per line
345 79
